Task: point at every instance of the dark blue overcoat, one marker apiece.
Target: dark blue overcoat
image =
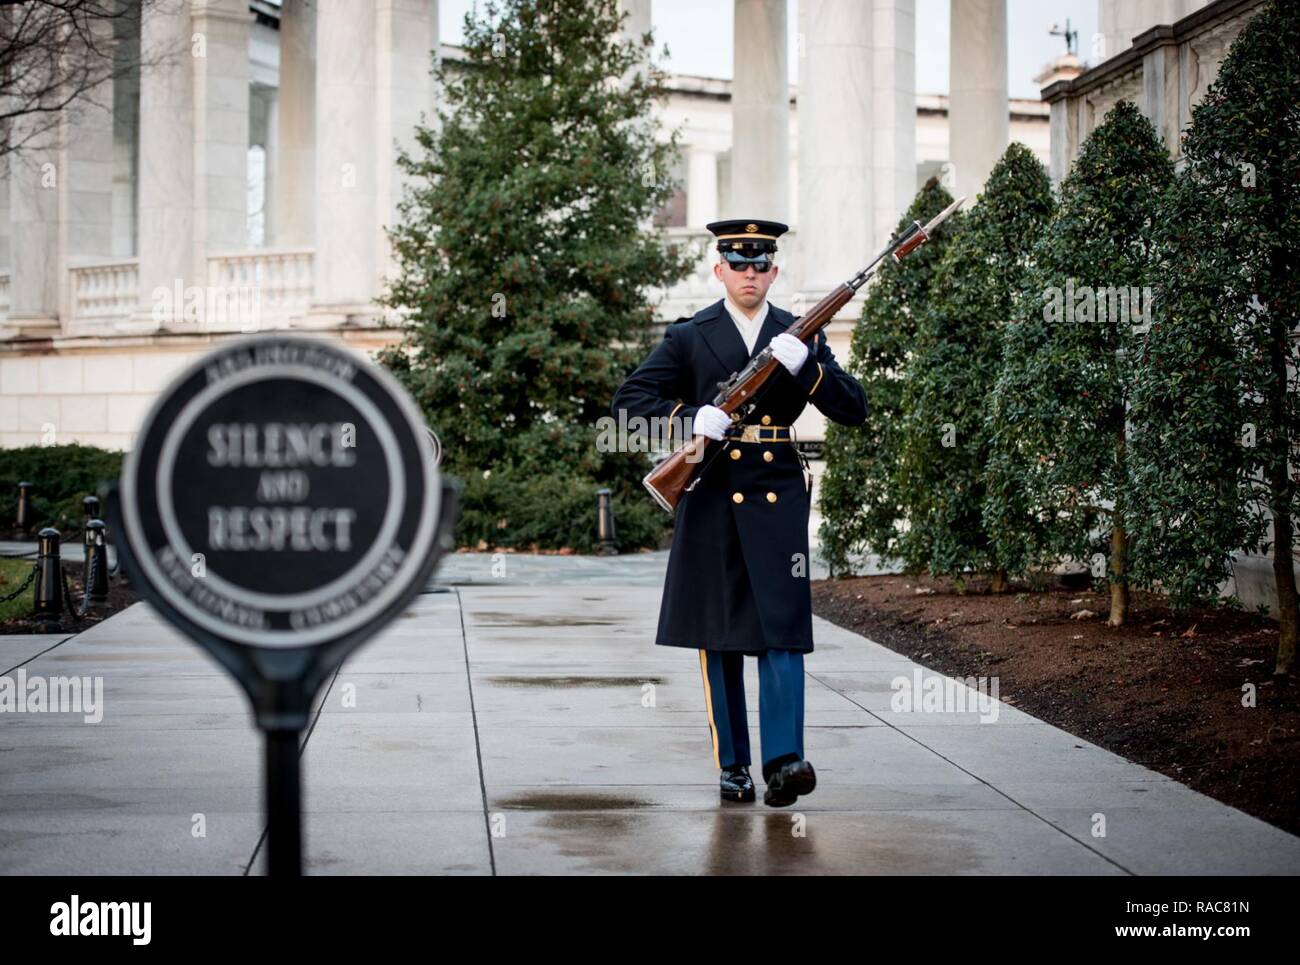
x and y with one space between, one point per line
738 568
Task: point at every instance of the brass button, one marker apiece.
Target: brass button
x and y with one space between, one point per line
737 497
771 497
767 420
767 456
735 453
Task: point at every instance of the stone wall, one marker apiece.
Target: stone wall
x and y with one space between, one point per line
98 393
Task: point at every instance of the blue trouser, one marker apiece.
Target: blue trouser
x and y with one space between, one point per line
780 705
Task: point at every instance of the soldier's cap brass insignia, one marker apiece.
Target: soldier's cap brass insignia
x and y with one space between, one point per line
741 234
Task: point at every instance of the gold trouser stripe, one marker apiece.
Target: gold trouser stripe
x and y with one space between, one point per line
820 373
708 706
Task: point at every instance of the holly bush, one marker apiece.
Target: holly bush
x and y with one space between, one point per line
954 363
1216 412
859 500
1058 449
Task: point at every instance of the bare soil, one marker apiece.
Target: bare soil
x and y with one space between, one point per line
120 596
1164 691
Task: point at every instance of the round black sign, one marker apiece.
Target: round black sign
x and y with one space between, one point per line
282 492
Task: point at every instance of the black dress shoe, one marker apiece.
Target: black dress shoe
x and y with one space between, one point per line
735 783
788 782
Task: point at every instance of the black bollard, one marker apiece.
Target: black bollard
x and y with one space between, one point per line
24 505
91 506
605 523
94 578
49 582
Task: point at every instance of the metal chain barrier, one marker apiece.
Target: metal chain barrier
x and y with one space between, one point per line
26 583
67 597
87 590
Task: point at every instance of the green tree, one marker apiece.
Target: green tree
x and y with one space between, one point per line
1058 481
526 262
860 505
1216 414
957 355
61 477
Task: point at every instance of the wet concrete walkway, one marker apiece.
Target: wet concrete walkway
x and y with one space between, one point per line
524 722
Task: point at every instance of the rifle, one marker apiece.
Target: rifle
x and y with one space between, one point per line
673 476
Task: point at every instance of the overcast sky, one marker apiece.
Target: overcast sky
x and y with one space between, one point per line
698 35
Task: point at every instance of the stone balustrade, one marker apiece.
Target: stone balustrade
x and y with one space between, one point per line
281 278
103 292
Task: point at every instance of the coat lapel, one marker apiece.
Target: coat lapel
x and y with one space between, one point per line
722 337
772 327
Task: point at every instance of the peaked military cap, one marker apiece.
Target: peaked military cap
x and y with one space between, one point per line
747 236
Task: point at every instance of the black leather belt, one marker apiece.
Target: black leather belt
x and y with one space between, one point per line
756 433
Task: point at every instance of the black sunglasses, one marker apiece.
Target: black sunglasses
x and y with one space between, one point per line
738 262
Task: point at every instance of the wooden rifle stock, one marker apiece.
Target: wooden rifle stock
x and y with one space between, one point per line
671 477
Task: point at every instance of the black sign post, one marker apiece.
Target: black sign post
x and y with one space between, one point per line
281 504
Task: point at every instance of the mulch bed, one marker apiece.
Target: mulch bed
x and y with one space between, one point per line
120 596
1164 691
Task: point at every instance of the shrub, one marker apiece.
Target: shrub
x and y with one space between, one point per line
524 511
61 476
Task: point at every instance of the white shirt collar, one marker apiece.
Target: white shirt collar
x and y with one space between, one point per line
749 327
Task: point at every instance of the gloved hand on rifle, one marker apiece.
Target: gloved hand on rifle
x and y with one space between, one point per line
789 351
711 421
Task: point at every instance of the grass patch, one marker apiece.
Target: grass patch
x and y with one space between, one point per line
12 574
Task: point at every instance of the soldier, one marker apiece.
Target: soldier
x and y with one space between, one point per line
737 580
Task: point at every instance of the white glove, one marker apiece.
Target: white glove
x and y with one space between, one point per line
790 352
711 421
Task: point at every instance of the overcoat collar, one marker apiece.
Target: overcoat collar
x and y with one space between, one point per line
724 339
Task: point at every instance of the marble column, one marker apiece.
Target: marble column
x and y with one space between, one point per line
1064 139
193 191
836 212
760 112
635 26
369 96
34 180
221 126
406 33
86 177
1160 96
165 239
126 134
893 114
978 112
271 179
4 215
638 20
295 179
61 190
345 272
701 187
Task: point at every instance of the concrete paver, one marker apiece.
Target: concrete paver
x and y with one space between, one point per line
525 723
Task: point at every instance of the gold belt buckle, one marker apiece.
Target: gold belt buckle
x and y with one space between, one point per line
754 433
